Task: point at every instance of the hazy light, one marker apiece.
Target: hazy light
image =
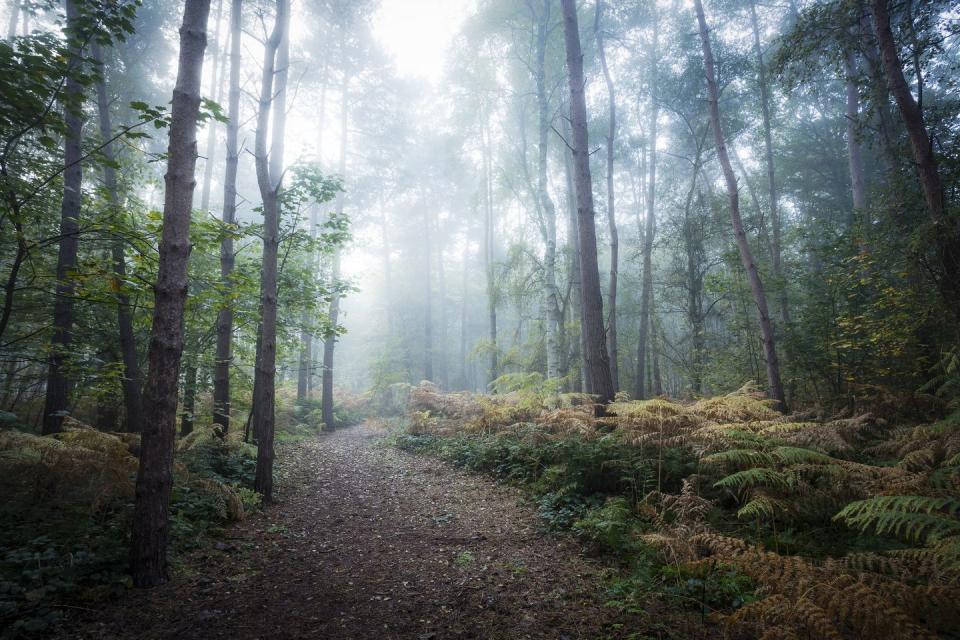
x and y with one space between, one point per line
417 33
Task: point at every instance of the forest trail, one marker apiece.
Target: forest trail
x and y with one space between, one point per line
366 541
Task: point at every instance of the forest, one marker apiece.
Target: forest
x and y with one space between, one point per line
480 319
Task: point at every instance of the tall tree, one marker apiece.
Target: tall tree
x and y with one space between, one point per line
611 212
650 227
746 257
548 211
330 341
151 527
58 386
224 356
128 344
269 165
596 359
946 228
489 228
775 223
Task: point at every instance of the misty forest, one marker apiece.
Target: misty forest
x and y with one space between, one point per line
495 319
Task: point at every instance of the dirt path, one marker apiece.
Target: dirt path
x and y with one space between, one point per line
370 542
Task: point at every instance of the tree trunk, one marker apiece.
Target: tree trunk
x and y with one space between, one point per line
306 336
650 230
330 342
269 173
128 344
577 346
216 90
488 253
14 19
224 357
189 397
756 285
58 386
611 215
591 312
427 230
946 231
551 296
854 156
148 552
775 252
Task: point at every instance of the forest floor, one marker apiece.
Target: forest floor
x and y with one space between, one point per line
366 541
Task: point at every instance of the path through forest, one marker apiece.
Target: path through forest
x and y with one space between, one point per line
366 541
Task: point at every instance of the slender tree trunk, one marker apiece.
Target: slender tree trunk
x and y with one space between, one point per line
58 386
611 215
551 295
655 350
128 344
189 397
463 322
216 89
151 530
596 358
775 251
946 232
854 156
428 294
650 230
14 19
577 345
488 252
330 342
269 173
746 257
306 336
224 358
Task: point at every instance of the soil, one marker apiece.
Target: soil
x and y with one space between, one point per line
366 541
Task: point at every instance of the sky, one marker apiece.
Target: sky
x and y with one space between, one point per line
417 33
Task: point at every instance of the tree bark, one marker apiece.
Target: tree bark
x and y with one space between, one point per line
596 358
14 19
611 215
746 257
57 398
427 231
488 252
128 344
216 90
946 231
330 342
551 296
854 155
269 166
775 244
650 230
224 356
189 397
579 382
148 552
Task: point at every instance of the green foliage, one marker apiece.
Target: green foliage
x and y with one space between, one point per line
611 527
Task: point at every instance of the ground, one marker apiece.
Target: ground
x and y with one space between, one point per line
365 541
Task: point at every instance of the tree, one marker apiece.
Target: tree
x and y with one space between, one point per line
595 356
611 196
330 340
128 342
224 357
58 386
151 527
269 178
946 228
746 257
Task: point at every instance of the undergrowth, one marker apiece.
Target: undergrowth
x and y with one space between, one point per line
67 508
772 526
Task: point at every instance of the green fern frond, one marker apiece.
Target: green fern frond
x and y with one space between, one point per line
738 458
916 518
762 507
799 455
757 477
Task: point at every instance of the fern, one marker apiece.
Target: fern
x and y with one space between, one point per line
756 477
916 518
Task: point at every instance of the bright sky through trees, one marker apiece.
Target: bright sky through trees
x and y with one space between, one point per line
417 33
